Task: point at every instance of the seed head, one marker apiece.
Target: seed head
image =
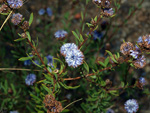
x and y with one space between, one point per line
4 9
25 25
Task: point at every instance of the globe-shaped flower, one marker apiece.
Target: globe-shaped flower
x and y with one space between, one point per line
15 4
142 81
140 62
30 79
146 41
126 47
41 11
49 11
131 106
16 18
74 58
60 34
67 47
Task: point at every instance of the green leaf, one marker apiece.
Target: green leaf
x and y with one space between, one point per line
14 90
24 58
106 61
19 39
47 89
75 34
68 87
28 36
31 19
86 66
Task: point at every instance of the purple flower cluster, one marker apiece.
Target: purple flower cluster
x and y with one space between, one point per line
15 4
73 56
60 34
16 18
142 81
30 79
97 35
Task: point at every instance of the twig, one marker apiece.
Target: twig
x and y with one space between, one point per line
6 20
72 103
16 69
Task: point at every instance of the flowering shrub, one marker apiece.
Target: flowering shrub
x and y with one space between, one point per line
75 70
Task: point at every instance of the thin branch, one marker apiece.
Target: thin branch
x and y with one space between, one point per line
16 69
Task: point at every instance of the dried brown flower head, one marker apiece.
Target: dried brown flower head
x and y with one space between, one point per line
106 3
52 105
140 62
4 9
49 101
98 59
25 25
126 47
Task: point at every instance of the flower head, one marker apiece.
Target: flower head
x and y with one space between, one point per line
146 41
126 47
4 9
134 54
49 60
98 2
60 34
140 62
49 11
15 4
142 81
106 3
16 18
74 58
108 12
110 111
41 11
30 79
27 62
140 40
97 35
67 47
131 106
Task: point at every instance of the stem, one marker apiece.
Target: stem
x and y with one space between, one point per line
39 57
6 20
16 69
72 103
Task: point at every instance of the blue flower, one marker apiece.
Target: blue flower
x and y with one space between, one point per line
16 18
140 62
67 47
49 11
110 111
147 39
134 54
131 106
15 4
14 112
36 62
108 11
27 62
60 34
97 35
140 40
74 58
30 79
142 81
41 11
